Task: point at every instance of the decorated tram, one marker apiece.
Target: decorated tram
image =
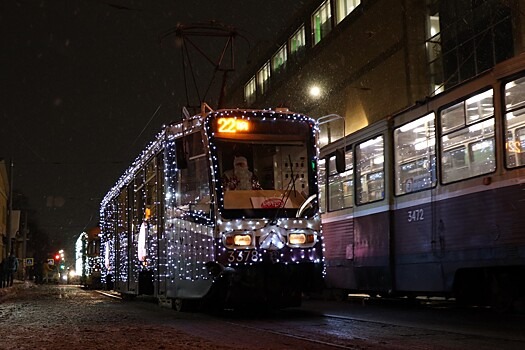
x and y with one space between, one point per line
220 210
430 201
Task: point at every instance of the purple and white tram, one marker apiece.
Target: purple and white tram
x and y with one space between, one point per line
432 200
219 208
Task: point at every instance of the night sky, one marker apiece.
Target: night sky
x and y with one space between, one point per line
86 85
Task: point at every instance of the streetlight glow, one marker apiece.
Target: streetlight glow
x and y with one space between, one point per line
315 91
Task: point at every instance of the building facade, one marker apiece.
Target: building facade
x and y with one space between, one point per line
364 60
4 190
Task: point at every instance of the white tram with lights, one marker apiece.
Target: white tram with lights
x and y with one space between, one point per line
87 258
221 208
432 200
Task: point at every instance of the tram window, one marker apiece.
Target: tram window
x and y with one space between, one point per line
480 106
468 147
341 185
515 123
370 171
515 146
452 118
515 94
415 157
520 138
472 110
194 189
268 170
469 152
151 189
138 204
322 185
482 157
416 175
454 163
122 212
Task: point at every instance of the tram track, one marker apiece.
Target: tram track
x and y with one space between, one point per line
291 335
109 295
410 325
328 327
346 332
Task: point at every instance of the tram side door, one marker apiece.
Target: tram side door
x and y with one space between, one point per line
336 187
417 246
162 258
417 243
131 250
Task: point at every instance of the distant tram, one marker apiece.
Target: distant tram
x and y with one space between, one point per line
88 261
432 200
220 209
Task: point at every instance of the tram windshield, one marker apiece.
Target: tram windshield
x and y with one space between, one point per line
266 172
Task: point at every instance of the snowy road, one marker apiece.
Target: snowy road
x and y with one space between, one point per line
67 317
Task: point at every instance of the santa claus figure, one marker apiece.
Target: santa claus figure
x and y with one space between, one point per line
240 177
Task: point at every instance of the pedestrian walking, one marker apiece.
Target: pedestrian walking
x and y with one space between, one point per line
2 273
37 269
12 267
46 272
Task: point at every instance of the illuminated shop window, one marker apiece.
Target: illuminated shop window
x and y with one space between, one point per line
344 7
465 38
297 41
321 22
250 91
263 78
279 59
434 51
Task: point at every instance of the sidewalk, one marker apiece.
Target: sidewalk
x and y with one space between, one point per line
17 285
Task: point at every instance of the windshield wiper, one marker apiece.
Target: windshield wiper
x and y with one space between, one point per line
306 204
286 193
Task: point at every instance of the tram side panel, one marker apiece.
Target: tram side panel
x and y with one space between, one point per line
418 248
190 247
339 254
188 226
483 238
470 231
372 252
358 238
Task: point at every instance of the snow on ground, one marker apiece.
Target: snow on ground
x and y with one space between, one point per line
51 317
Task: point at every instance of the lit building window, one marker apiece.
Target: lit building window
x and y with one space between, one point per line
344 7
263 78
434 52
279 59
250 91
297 41
465 38
321 22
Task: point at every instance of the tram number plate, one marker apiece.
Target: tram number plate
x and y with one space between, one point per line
243 256
416 215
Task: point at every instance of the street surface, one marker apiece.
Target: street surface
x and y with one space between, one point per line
68 317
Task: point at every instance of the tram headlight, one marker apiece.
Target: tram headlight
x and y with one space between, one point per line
239 240
297 238
301 238
242 240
